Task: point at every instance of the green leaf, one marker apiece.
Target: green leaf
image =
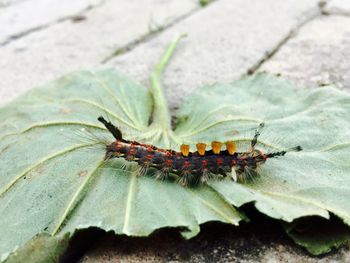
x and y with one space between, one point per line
53 177
42 248
314 181
54 180
317 235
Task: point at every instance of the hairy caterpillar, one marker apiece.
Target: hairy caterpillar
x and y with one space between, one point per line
192 168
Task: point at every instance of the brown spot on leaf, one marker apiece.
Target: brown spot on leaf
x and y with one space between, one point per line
37 171
232 133
83 173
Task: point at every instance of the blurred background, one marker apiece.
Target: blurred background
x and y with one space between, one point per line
306 41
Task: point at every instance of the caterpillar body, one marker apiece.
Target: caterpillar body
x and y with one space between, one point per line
192 168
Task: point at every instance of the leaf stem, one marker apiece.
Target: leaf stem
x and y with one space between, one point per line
161 116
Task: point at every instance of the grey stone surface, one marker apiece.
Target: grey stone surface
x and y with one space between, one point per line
318 54
68 46
5 3
224 41
26 16
337 7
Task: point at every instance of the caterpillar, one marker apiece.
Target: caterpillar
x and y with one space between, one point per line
192 168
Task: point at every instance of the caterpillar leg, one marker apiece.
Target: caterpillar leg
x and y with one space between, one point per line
188 179
205 176
162 174
244 173
240 176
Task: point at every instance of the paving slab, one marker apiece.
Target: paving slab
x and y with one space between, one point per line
221 46
26 16
76 45
318 54
225 40
341 7
6 3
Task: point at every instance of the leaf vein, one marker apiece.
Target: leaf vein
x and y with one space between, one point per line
12 183
48 124
105 86
73 200
131 190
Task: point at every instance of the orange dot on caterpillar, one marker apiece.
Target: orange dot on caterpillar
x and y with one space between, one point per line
185 149
201 148
216 147
231 147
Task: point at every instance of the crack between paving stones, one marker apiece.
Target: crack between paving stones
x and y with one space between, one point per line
147 37
323 9
269 54
25 33
336 13
151 34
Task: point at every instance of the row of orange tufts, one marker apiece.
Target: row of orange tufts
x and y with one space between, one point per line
231 147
